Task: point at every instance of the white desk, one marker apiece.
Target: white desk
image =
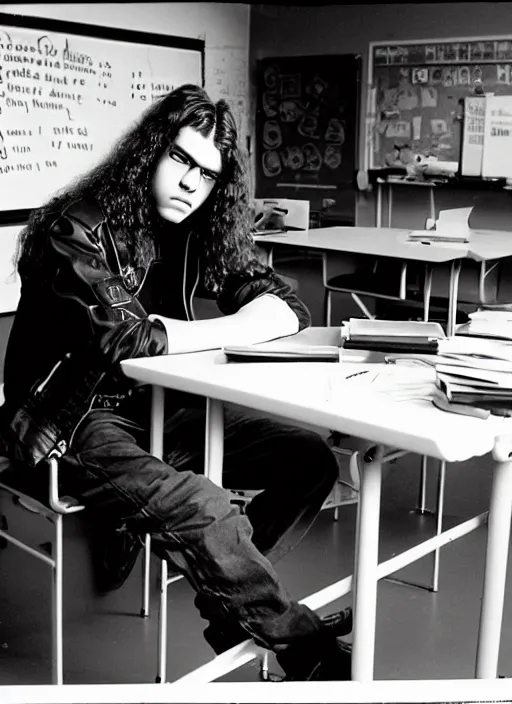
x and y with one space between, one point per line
392 242
312 393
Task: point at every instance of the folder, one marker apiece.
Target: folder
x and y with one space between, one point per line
278 353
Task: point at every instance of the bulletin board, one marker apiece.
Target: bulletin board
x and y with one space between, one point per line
416 94
307 129
68 91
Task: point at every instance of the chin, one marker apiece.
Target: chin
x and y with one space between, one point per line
172 215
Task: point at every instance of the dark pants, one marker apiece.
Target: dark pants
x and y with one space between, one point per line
220 549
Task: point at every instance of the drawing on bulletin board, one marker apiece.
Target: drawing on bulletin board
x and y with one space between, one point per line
68 92
418 97
307 126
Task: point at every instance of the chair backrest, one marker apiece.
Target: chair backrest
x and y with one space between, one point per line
336 264
291 214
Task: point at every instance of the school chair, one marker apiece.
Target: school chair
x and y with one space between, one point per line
359 276
54 511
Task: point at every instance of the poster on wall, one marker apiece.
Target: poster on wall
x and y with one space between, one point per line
306 125
497 150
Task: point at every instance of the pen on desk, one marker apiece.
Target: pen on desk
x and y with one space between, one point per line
356 374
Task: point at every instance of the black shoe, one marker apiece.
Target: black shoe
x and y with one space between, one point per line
115 553
322 656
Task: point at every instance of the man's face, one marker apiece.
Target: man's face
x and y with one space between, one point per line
185 175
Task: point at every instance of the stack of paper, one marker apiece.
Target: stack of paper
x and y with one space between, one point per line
391 335
489 323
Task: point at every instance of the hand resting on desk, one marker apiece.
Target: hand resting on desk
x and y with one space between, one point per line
265 318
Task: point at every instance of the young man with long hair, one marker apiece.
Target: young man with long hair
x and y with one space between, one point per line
108 270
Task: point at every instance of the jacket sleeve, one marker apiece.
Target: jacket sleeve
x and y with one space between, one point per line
89 272
241 288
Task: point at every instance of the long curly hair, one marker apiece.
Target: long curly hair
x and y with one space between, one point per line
121 185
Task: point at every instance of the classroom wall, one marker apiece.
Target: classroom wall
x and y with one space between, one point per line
223 26
347 29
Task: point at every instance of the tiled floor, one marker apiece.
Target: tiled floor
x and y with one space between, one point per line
419 634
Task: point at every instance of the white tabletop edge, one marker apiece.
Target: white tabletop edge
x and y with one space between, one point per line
483 245
413 426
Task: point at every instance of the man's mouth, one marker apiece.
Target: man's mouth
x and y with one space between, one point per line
182 200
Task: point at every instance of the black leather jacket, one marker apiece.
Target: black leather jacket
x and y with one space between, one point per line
52 371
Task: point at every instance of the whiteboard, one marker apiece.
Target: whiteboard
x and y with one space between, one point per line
68 91
10 284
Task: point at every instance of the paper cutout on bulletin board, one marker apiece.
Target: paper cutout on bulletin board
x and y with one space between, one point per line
226 77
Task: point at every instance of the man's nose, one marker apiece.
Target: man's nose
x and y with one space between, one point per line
191 179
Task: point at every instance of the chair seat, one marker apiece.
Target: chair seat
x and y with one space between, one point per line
32 488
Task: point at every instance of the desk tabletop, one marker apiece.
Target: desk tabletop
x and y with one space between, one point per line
314 393
392 242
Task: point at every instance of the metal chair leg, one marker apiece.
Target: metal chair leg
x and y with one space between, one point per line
264 667
57 667
146 575
162 624
362 306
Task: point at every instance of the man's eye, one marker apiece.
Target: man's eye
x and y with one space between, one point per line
176 156
211 178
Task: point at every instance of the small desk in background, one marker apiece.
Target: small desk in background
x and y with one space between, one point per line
485 245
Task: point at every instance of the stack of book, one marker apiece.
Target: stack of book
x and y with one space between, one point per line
391 335
466 384
471 375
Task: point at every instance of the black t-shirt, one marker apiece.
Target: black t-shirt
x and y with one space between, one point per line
164 291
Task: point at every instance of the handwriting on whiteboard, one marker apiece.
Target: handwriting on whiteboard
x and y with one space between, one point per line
226 77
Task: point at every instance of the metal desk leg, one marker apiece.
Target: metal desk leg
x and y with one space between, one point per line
427 292
441 480
498 539
365 568
156 447
452 300
156 440
378 215
214 441
390 204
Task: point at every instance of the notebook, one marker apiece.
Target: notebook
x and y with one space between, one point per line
268 352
